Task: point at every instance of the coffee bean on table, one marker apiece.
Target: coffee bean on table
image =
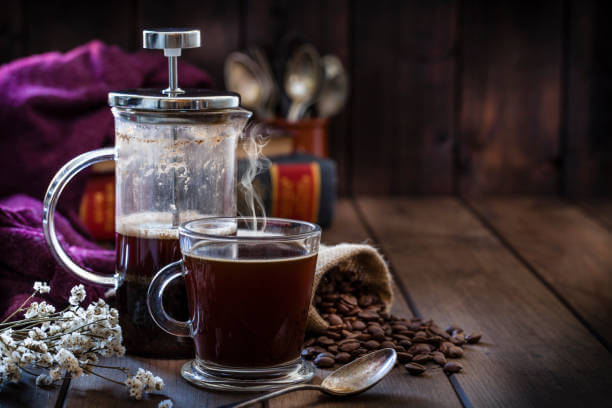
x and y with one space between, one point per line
333 349
438 358
404 357
358 325
324 360
455 352
421 358
452 367
333 335
343 357
405 343
473 338
371 344
415 368
350 346
334 319
325 341
387 344
368 315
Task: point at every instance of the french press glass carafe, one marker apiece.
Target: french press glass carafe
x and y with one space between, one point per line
175 161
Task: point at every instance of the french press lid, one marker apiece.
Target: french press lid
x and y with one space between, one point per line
173 98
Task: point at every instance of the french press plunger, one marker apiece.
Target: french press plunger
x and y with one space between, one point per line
175 161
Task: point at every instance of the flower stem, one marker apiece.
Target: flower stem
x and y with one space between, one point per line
101 376
19 308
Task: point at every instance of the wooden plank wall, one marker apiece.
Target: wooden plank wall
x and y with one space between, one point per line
447 96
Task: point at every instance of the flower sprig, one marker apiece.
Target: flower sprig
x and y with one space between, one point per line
68 342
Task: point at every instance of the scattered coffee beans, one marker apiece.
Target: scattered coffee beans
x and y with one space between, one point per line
359 324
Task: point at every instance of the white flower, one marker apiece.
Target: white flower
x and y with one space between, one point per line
77 295
44 380
165 404
42 287
32 310
55 373
6 338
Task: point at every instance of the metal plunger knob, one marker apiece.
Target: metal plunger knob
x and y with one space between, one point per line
172 41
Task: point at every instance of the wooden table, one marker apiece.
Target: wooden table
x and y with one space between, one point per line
534 275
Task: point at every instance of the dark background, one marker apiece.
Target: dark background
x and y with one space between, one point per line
469 97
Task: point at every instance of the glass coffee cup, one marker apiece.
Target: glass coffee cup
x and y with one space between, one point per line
249 284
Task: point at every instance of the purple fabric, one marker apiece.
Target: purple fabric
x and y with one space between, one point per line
54 107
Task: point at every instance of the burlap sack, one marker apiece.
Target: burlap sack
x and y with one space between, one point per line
364 260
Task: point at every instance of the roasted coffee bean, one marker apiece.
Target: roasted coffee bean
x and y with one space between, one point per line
458 339
325 305
399 328
419 339
420 333
334 319
415 368
376 331
368 315
435 340
331 310
421 358
333 335
325 341
347 333
455 352
360 351
343 357
444 346
366 300
348 326
354 311
421 348
333 349
364 337
438 358
331 297
399 348
358 325
473 338
405 343
400 337
342 308
336 327
452 367
371 344
348 340
387 344
324 361
349 299
404 357
437 330
309 342
350 346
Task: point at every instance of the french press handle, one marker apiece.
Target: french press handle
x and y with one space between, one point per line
61 179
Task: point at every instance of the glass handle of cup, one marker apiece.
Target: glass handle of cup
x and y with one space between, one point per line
160 282
61 179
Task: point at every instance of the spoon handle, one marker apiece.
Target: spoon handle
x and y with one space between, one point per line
272 395
294 111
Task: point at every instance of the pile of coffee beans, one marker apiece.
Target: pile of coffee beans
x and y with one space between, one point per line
358 324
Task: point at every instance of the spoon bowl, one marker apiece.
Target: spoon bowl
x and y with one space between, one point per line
302 80
350 379
360 374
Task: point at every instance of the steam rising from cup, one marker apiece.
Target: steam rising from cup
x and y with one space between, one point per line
254 139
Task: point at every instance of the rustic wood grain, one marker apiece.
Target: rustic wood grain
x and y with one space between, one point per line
588 151
218 22
402 100
508 138
534 352
570 251
26 394
398 389
268 21
600 210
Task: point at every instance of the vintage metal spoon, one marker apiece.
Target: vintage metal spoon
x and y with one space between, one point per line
350 379
335 87
302 80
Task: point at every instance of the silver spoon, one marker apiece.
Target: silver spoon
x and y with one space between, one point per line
302 80
243 75
335 87
350 379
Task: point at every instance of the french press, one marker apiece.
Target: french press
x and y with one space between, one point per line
174 161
